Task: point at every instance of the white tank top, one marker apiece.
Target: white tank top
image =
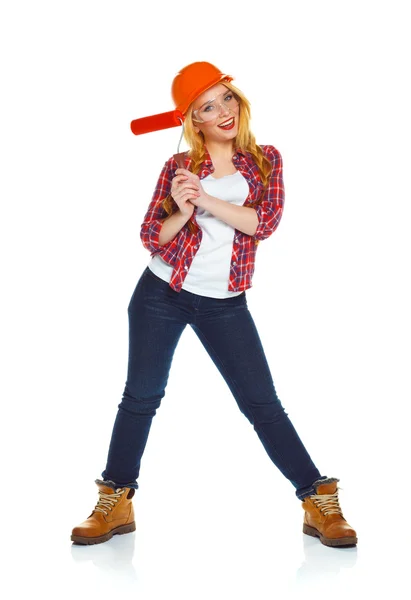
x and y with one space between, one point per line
209 272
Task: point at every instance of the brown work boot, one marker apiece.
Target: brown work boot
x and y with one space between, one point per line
323 516
113 514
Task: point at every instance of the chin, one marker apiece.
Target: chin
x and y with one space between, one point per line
230 134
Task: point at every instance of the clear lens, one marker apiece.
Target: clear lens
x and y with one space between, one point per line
211 110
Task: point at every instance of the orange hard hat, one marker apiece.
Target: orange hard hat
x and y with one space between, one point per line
188 84
193 80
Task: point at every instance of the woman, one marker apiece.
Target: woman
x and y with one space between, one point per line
202 229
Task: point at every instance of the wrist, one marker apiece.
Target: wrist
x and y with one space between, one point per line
184 217
207 202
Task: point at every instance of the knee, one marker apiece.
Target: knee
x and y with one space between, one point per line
137 402
272 412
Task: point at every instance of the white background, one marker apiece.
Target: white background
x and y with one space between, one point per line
328 84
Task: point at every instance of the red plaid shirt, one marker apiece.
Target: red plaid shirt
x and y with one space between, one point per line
180 251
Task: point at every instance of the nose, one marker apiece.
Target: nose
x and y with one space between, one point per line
224 109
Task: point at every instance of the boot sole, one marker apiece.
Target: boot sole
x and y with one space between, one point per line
77 539
346 541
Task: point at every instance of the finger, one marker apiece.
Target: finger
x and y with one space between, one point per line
179 179
188 186
183 187
188 196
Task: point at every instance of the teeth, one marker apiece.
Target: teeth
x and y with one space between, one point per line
227 122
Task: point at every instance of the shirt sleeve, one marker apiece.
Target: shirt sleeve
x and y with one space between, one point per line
155 215
270 209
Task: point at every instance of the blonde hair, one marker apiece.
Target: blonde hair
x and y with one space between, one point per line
244 140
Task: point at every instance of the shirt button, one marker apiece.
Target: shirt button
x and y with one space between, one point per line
234 263
185 266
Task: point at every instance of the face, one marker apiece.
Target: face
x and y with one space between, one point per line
212 129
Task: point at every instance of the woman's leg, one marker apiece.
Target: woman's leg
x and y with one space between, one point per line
155 328
228 333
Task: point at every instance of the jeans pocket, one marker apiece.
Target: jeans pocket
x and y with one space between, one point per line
149 272
156 289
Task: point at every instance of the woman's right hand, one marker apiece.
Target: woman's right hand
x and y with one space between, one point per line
181 192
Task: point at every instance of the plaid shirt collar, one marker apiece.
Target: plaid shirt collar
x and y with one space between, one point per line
208 158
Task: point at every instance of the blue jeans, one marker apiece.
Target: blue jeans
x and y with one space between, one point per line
158 316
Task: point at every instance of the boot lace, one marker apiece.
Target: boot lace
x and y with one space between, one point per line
108 500
327 503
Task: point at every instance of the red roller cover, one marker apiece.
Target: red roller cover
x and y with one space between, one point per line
156 122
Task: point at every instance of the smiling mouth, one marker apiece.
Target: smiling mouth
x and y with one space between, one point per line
229 124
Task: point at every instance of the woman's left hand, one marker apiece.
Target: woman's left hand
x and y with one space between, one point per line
202 196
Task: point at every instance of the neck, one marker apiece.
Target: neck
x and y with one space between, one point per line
220 151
